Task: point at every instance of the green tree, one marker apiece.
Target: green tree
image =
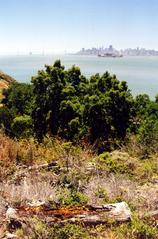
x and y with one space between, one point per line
141 103
70 119
48 86
68 104
19 98
58 101
107 107
6 118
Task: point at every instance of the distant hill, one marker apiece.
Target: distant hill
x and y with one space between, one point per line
5 80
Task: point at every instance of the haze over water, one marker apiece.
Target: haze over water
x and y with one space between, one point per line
141 73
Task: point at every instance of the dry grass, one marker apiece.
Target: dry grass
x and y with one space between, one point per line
8 155
3 85
116 188
99 187
137 185
31 189
8 150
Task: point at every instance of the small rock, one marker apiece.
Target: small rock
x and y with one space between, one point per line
11 213
11 236
119 211
37 203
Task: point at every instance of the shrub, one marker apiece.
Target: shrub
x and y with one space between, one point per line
116 162
70 231
40 230
22 126
137 229
72 198
6 118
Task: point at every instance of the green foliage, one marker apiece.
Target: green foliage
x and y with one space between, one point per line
70 119
19 98
147 129
48 86
68 197
22 126
107 108
102 193
70 106
141 104
65 103
15 114
70 231
139 229
40 230
115 163
6 118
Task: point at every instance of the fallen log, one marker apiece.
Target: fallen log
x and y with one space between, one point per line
118 212
90 214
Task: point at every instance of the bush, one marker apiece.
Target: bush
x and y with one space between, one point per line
40 230
137 229
116 162
70 231
6 118
148 136
22 126
72 198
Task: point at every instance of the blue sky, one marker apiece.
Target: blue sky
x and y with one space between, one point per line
68 25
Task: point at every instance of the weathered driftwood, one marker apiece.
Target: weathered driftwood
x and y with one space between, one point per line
90 214
118 211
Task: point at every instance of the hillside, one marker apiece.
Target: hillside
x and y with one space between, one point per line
78 158
5 80
58 190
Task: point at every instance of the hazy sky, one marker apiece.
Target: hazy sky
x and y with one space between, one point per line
68 25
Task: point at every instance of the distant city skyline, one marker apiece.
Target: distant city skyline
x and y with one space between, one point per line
54 26
138 51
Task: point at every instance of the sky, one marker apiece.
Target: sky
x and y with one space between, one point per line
57 26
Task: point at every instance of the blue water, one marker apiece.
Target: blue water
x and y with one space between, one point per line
141 73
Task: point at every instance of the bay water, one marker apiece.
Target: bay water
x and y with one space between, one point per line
141 73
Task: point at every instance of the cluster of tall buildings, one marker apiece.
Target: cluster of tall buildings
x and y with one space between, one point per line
110 50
